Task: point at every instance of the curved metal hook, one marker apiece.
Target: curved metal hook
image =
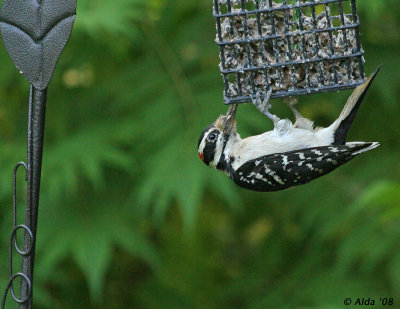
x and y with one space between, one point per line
13 238
14 186
13 241
10 287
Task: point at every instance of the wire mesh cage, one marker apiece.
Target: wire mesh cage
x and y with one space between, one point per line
292 47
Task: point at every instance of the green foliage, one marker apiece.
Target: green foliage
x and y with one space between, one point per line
131 218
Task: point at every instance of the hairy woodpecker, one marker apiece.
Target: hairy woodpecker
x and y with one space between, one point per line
290 154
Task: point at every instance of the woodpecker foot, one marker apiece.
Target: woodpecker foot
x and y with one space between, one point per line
301 122
265 105
291 102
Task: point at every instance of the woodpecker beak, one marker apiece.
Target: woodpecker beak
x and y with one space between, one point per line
229 119
231 113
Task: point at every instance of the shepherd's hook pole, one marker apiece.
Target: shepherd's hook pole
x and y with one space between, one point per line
36 119
34 33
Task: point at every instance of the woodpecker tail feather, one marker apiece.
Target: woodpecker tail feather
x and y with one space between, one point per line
360 147
342 125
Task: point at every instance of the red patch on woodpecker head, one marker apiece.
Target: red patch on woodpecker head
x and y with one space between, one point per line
201 156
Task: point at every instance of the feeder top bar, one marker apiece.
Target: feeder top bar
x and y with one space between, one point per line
294 47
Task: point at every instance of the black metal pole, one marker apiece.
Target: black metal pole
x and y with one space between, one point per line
36 120
34 33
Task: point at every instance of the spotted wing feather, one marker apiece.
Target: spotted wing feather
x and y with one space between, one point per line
283 170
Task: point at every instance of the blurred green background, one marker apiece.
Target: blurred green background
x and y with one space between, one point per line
131 218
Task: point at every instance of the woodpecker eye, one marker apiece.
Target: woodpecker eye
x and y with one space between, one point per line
212 137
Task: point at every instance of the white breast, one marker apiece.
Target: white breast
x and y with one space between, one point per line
275 142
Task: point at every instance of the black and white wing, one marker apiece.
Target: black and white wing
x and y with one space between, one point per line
283 170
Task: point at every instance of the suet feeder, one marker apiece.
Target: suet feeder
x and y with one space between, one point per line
291 47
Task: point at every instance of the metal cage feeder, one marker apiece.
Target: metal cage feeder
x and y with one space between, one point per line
291 47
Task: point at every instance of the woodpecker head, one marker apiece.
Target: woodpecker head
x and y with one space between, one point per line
214 138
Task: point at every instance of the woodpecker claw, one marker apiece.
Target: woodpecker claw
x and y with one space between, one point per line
291 102
265 105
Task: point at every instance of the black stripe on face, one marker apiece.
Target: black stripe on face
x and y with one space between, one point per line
202 134
222 163
208 138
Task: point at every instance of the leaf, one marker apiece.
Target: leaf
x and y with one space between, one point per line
394 272
384 195
88 238
35 33
111 17
92 252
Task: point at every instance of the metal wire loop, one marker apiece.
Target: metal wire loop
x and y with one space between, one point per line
23 164
14 236
11 288
28 281
28 245
16 228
